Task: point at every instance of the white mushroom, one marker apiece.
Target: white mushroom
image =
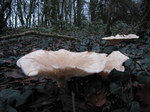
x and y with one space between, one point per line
61 64
114 60
118 38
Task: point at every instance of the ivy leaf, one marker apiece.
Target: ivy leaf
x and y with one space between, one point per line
121 110
144 79
21 99
130 65
135 107
96 48
115 88
118 76
10 109
12 96
109 49
145 63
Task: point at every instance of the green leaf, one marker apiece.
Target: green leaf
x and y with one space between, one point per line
10 109
2 61
8 94
109 49
130 65
134 51
96 48
135 107
121 110
115 88
94 85
12 96
1 104
83 48
118 76
21 99
144 79
145 63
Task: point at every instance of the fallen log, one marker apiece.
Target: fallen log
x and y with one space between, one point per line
36 33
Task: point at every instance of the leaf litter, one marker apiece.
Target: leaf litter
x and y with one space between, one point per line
123 91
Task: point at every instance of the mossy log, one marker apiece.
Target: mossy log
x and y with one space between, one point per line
36 33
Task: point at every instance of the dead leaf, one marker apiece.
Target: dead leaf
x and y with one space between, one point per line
14 52
144 94
8 61
96 99
13 74
1 53
138 61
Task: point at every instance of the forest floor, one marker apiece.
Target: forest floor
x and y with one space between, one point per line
127 92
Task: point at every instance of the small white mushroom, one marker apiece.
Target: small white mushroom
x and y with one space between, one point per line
118 38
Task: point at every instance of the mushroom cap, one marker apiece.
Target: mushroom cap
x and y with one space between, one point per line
115 60
124 37
118 38
62 63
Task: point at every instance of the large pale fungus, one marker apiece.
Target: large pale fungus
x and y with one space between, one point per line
61 64
114 61
118 38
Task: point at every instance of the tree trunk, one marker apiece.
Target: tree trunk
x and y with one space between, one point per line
93 5
38 13
36 33
3 19
70 10
108 31
79 5
74 8
20 13
54 11
145 7
46 12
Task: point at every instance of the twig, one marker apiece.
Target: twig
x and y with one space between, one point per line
136 63
114 91
73 101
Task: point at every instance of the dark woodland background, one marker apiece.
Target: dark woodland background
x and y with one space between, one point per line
94 16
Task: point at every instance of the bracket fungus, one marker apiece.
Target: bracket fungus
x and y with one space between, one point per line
62 64
118 38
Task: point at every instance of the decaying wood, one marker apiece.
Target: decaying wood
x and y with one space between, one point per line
36 33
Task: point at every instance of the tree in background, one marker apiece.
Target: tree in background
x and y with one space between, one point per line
145 18
5 4
54 12
62 14
93 6
79 8
108 31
